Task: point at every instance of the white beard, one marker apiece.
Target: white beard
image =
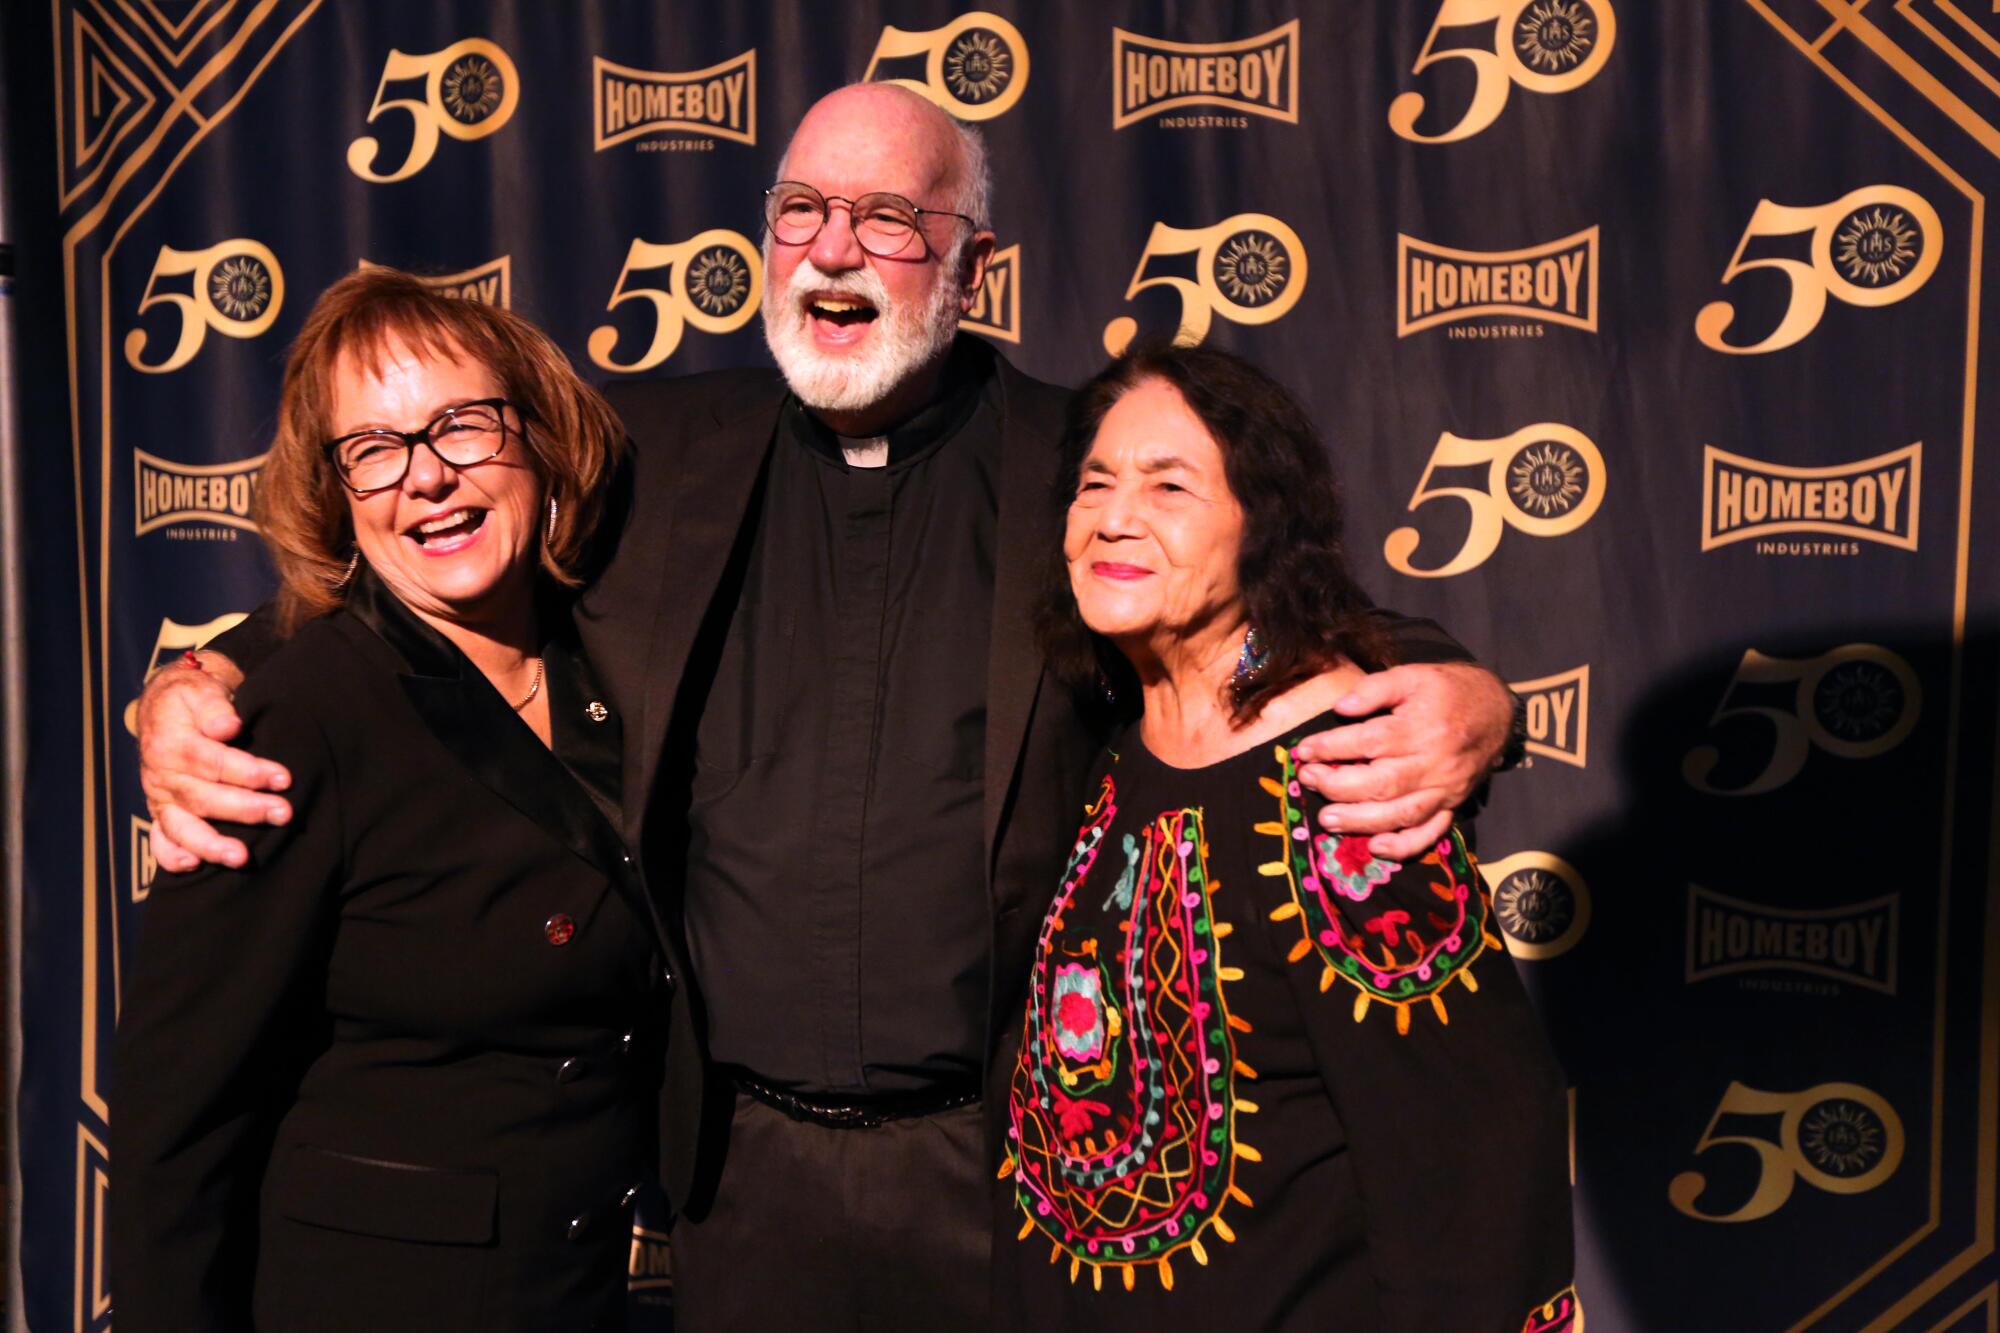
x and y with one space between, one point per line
902 339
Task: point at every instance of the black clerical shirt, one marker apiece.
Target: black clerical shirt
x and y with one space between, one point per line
836 901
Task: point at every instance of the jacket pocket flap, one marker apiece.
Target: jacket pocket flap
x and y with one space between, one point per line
393 1200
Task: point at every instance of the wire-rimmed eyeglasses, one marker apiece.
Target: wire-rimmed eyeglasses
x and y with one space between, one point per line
883 223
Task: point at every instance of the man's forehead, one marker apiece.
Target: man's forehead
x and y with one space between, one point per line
864 143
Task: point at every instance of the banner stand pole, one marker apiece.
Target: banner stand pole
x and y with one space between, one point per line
13 748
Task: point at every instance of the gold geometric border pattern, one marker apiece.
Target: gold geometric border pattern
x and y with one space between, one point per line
1966 1318
238 41
1846 18
101 98
175 39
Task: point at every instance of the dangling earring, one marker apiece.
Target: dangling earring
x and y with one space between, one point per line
1250 663
347 575
550 539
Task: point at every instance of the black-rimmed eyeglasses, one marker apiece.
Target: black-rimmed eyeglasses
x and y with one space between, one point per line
465 435
883 223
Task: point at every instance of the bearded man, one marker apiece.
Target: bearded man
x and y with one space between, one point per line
852 787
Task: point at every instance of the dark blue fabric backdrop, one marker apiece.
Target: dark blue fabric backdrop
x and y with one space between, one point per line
1647 338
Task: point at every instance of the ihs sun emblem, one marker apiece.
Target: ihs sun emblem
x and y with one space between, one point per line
1552 36
1876 246
978 66
1533 906
1253 268
1843 1138
719 280
1859 701
472 88
1546 479
240 287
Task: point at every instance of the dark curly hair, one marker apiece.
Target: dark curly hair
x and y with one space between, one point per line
1296 590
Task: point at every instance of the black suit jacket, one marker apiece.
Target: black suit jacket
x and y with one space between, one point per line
654 623
385 1069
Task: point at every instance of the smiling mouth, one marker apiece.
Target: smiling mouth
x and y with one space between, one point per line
1111 570
446 528
840 311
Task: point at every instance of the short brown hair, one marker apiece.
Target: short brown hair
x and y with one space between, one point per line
1291 571
574 439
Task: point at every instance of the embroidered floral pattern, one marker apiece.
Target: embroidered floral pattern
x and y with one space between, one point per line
1561 1313
1124 1102
1350 867
1080 1023
1389 956
1123 1116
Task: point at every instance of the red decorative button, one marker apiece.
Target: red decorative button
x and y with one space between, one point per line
560 928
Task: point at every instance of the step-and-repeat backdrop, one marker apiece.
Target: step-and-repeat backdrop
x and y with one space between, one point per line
1647 338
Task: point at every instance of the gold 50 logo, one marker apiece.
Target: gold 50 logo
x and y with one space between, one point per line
1541 903
1837 1137
1545 480
1555 281
996 312
1257 75
1250 269
235 288
1855 702
470 90
975 67
1874 500
1540 46
491 283
711 280
1870 247
719 102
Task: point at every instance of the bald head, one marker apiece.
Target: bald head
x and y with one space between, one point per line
873 132
862 337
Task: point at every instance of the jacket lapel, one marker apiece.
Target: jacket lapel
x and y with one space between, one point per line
1031 428
461 708
711 504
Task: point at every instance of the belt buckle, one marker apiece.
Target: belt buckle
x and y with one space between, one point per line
850 1117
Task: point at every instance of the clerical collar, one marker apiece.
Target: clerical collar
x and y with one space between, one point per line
966 374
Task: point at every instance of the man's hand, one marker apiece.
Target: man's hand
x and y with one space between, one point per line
1401 775
191 777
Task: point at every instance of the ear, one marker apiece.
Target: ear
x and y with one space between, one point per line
973 273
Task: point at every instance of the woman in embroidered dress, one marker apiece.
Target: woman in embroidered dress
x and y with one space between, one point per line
1265 1080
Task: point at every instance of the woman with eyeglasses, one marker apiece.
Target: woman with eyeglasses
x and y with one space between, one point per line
395 1072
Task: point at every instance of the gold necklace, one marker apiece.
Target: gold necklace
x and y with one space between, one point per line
533 689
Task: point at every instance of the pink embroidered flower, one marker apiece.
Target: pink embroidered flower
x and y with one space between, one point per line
1353 856
1078 1011
1350 867
1075 1115
1077 1015
1386 925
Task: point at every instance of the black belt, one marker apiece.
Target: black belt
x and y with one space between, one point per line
836 1112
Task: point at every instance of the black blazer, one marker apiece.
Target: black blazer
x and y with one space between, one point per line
654 621
395 1074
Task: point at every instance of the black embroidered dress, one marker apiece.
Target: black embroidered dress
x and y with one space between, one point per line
1268 1081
